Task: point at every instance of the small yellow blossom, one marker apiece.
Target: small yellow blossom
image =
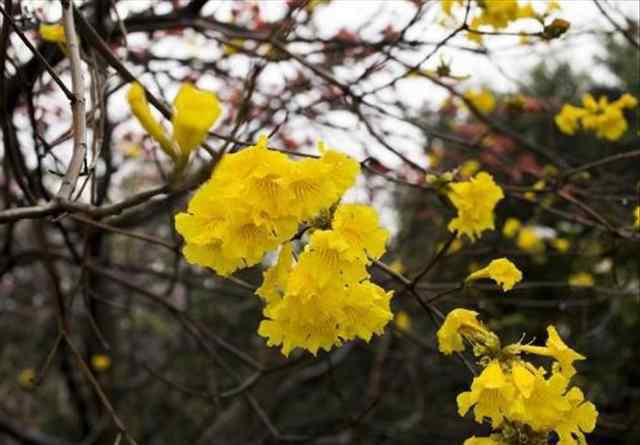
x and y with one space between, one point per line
491 395
636 214
580 419
568 119
511 227
475 201
358 224
141 110
502 271
482 100
562 353
402 321
459 322
581 279
52 33
562 245
27 378
529 241
195 113
274 285
100 362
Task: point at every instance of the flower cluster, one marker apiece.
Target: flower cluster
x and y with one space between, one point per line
195 112
325 297
475 201
254 202
520 400
605 119
497 14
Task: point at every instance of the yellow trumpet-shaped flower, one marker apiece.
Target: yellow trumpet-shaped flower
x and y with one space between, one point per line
491 395
274 285
556 348
195 113
475 201
502 271
568 120
358 225
52 33
141 110
459 323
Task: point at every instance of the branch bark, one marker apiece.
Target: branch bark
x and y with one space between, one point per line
77 106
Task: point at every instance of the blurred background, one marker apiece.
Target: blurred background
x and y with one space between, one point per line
172 349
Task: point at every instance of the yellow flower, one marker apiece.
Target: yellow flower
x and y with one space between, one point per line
255 200
529 241
492 394
511 227
274 284
475 201
562 245
562 353
459 322
141 110
568 119
556 348
580 419
358 225
402 321
27 378
195 113
636 214
100 362
502 271
52 33
344 170
605 119
482 100
581 279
